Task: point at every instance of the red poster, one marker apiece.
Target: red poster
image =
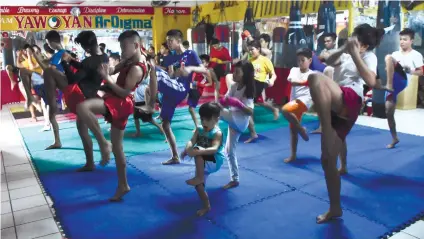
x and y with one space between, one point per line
84 10
176 10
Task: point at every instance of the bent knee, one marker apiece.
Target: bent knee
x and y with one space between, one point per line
287 108
9 68
81 108
313 78
390 60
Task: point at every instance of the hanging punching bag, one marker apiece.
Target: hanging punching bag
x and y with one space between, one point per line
198 39
235 37
388 17
295 37
249 21
222 33
326 22
278 36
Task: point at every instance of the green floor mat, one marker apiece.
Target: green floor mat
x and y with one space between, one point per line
72 154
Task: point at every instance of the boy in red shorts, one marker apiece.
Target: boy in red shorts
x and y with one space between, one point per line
117 105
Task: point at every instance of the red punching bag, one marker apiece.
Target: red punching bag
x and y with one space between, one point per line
222 33
198 39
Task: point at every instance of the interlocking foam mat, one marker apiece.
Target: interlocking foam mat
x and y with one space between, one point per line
382 193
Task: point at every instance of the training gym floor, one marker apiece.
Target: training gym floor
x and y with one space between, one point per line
43 197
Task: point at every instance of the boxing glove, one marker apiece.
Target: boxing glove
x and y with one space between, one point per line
234 102
245 34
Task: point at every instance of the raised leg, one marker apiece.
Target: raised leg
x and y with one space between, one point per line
87 111
252 130
199 177
343 159
390 69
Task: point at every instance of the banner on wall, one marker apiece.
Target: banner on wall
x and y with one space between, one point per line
75 18
176 11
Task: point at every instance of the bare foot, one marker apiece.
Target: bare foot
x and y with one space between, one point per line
330 215
203 211
34 119
146 109
105 151
276 114
393 144
290 159
304 134
342 170
194 181
45 128
120 193
317 131
87 168
251 139
231 184
136 135
54 146
173 160
386 87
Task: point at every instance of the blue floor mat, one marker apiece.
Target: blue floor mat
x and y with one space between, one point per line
387 199
67 185
274 200
292 216
143 214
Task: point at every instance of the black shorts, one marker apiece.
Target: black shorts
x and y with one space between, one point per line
141 115
219 71
210 158
259 88
193 98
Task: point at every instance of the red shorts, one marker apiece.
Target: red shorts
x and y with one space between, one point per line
73 96
344 121
118 110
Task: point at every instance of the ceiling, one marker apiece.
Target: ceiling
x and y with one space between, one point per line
141 3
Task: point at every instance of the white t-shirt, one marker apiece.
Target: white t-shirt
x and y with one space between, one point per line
412 59
241 118
300 92
347 74
140 91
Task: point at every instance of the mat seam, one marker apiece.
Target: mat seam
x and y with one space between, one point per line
154 181
319 198
403 225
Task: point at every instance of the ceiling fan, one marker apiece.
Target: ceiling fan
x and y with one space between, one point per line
160 3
